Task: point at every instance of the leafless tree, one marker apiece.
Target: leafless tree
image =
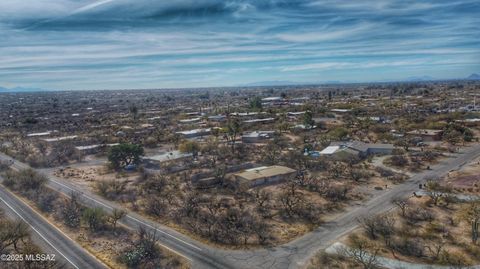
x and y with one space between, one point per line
436 247
117 214
402 204
362 252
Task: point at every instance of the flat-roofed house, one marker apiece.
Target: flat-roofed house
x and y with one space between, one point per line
58 139
155 161
195 133
217 118
357 148
264 175
338 152
92 149
191 120
257 136
264 120
470 122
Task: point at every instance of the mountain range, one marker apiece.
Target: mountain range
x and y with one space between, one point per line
23 89
473 76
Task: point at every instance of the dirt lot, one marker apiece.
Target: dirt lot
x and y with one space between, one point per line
447 226
467 179
87 176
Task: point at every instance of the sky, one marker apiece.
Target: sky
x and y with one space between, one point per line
127 44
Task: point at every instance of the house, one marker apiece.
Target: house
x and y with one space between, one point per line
294 115
264 175
257 136
58 139
376 119
272 99
245 114
266 120
40 134
195 133
357 148
337 152
340 110
155 161
188 121
470 122
93 149
427 135
217 118
303 127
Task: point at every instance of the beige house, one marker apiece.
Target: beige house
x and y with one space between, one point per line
265 175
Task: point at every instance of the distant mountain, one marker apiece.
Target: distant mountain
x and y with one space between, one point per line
23 89
421 78
474 77
273 83
332 82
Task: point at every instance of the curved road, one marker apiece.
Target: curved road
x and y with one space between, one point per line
294 254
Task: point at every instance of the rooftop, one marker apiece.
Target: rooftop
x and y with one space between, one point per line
329 150
168 156
56 139
259 134
259 120
425 132
195 131
265 172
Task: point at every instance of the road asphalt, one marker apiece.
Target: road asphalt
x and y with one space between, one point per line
292 255
67 252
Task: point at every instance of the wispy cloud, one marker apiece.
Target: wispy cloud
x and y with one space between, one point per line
80 44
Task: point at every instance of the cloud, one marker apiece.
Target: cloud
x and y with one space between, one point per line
113 43
324 35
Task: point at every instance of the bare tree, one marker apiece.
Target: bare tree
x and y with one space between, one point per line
402 204
117 214
291 199
369 224
362 252
435 191
436 247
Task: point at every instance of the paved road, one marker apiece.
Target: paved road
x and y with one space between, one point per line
292 255
52 241
199 255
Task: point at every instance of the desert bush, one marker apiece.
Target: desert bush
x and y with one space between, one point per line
46 200
336 193
378 225
111 189
95 218
453 259
24 180
416 214
434 230
71 210
143 252
399 160
384 172
408 247
327 260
